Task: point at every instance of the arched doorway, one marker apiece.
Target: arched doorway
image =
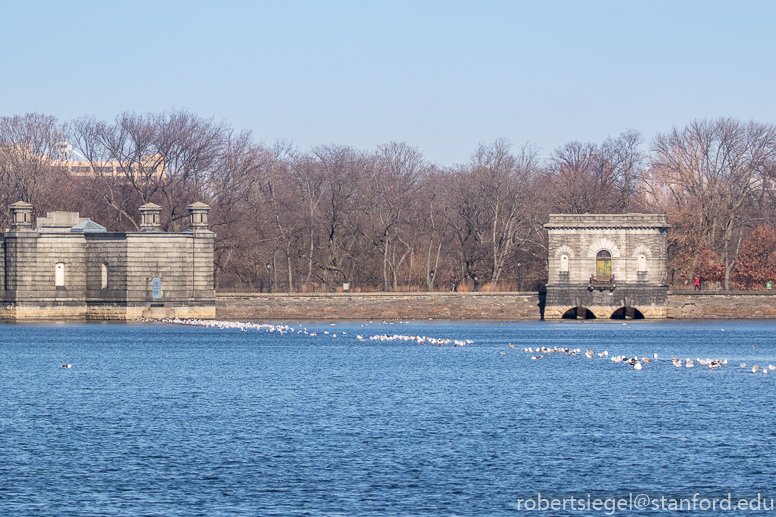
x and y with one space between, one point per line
603 266
578 313
627 313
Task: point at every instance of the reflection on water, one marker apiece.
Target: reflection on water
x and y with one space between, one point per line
161 419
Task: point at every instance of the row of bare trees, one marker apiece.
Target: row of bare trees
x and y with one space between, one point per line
388 219
714 179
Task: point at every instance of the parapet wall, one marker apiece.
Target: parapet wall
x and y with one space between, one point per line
467 306
385 306
380 306
721 304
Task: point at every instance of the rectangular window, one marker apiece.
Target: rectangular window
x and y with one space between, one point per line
105 276
157 287
59 274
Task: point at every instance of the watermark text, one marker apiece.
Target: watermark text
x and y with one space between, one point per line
646 503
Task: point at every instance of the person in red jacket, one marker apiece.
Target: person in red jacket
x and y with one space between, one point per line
698 283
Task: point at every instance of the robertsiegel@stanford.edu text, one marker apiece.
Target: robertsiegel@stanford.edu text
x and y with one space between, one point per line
644 502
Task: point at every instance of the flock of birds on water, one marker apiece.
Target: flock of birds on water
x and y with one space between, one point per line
638 363
537 353
286 329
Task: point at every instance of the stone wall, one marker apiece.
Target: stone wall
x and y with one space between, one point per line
68 249
176 259
24 270
379 306
70 310
109 249
467 306
721 304
383 306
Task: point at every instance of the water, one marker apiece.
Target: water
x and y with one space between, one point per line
175 420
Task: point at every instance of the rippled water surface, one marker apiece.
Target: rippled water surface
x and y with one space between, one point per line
177 420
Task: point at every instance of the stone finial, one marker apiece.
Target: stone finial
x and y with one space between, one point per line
21 216
198 216
149 214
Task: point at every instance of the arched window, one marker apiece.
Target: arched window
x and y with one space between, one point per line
603 266
564 263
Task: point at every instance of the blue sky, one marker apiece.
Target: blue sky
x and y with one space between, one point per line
441 76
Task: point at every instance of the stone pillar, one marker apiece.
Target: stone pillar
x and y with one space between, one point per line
2 267
198 216
150 218
21 257
21 217
202 251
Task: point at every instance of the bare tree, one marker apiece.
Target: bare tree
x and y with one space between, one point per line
705 175
432 223
491 207
582 181
306 173
284 202
625 159
342 169
169 158
389 200
29 158
238 218
189 150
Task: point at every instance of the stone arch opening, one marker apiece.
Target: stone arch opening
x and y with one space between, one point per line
627 313
578 313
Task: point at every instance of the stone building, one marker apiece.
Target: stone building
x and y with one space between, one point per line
70 268
607 266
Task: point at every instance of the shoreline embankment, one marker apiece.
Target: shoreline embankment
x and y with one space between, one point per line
466 306
434 306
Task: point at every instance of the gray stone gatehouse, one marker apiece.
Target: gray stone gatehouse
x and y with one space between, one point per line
70 268
606 266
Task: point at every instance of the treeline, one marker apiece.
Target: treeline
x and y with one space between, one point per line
388 219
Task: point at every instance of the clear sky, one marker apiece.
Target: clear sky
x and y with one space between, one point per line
440 75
